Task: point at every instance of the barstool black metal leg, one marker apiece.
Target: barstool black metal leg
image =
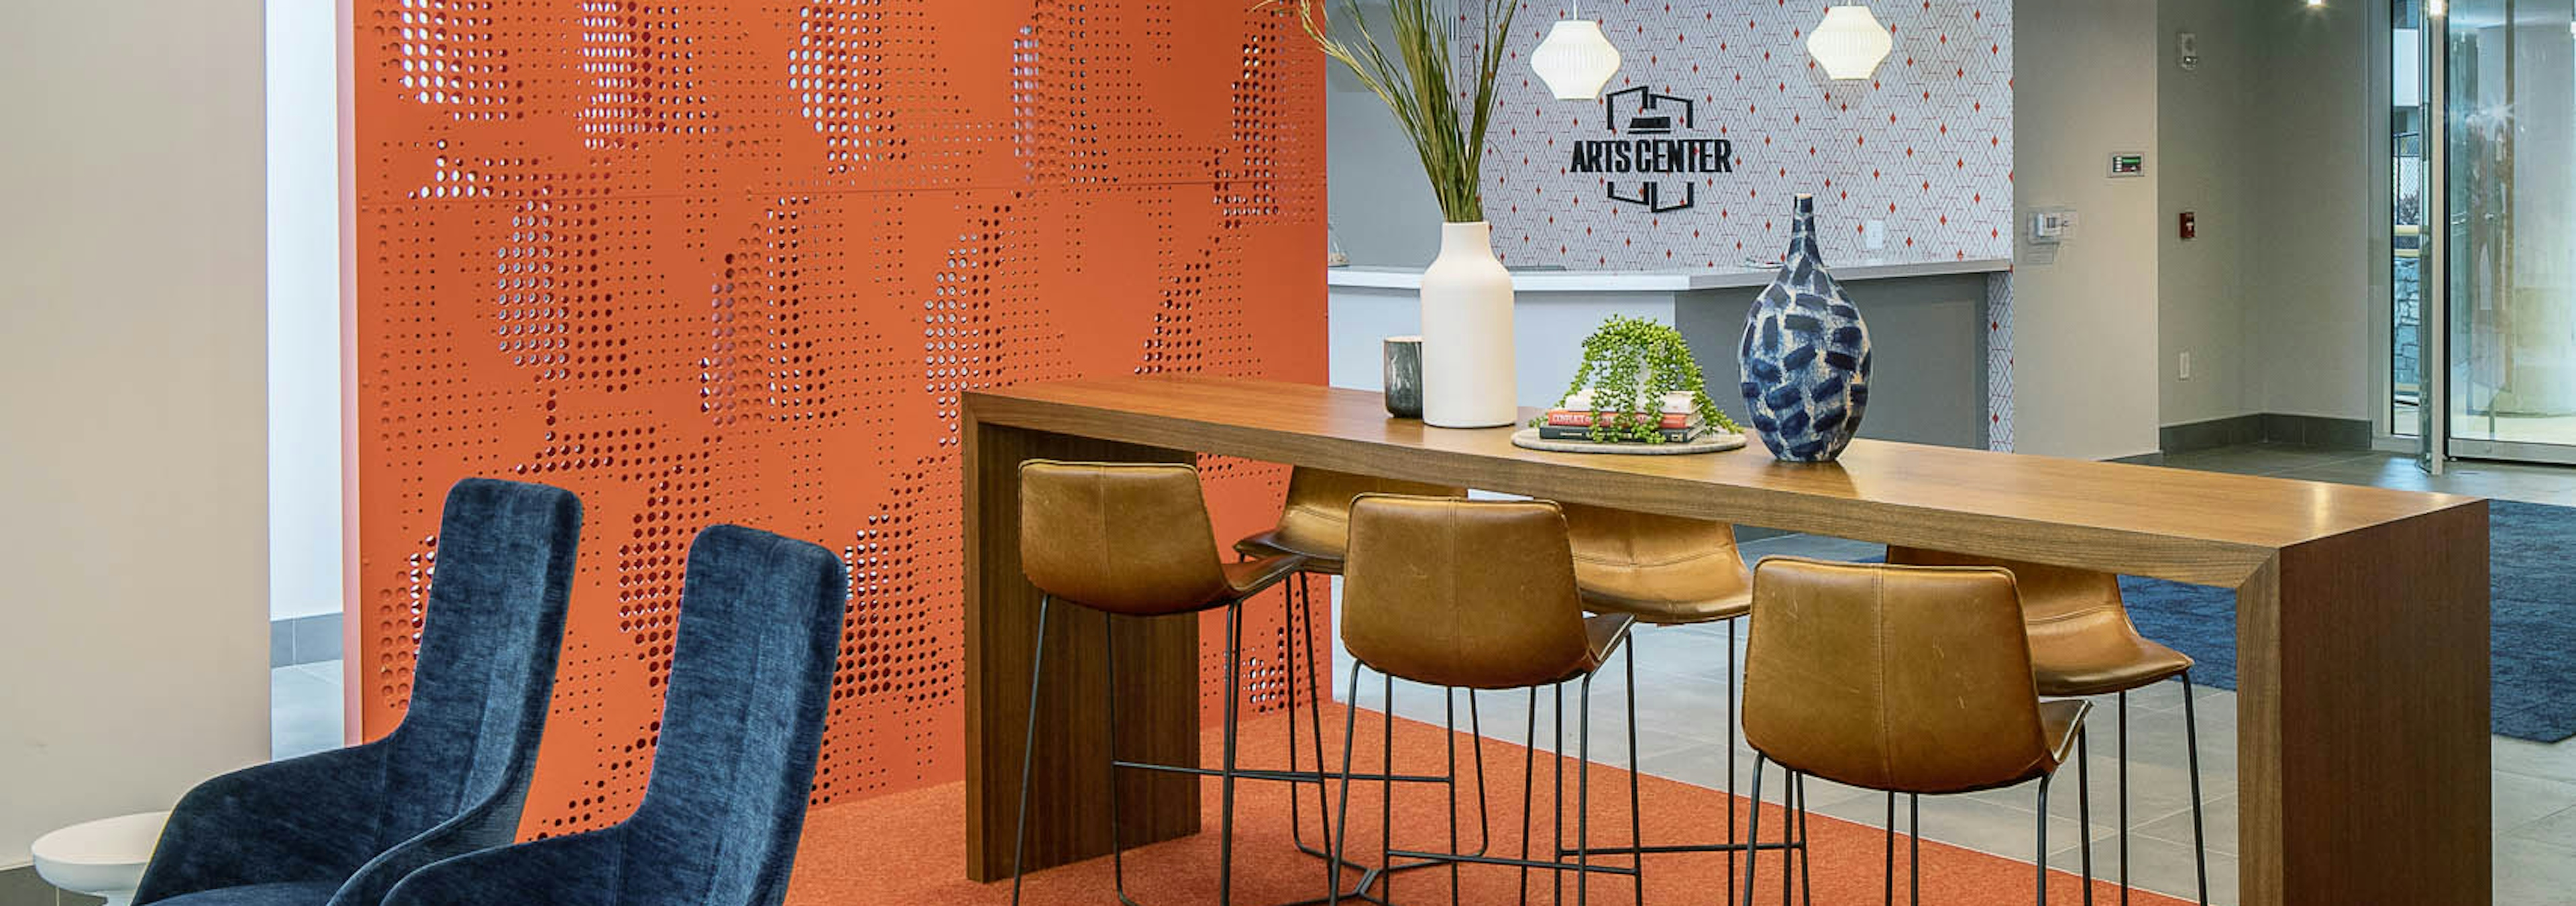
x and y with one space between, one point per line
1449 724
1233 702
1730 760
1583 796
1890 898
1386 798
1556 794
2191 746
1753 830
2043 839
1913 849
1117 837
1806 872
1028 747
2084 806
1340 827
1788 837
2123 768
1636 802
1529 788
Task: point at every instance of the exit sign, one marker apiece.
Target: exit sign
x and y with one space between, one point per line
2127 165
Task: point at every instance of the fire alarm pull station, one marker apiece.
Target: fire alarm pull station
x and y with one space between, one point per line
2190 225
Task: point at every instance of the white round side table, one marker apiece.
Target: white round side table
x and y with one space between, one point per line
103 858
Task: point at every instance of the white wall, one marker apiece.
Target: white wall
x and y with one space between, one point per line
133 493
304 308
2085 321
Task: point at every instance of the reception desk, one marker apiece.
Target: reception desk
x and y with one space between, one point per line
1929 322
2361 612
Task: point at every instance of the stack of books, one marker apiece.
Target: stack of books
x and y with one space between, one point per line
1679 422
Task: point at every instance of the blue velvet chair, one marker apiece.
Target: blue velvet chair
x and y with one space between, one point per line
742 720
343 826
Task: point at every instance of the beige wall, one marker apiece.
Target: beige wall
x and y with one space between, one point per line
2206 308
2318 260
2085 318
134 625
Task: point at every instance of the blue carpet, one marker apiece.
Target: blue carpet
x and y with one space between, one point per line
2532 561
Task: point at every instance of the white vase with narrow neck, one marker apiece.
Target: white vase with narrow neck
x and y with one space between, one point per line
1467 333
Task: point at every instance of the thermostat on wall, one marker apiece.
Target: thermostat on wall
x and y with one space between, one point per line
2126 164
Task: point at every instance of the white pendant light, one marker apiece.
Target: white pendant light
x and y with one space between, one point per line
1576 59
1850 43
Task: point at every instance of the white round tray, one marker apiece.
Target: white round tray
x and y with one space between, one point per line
1527 438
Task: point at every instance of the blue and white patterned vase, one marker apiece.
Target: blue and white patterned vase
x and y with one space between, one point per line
1806 355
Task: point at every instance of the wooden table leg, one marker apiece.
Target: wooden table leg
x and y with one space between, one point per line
1157 684
2362 718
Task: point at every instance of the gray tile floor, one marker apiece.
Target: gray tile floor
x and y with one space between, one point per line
1681 700
1682 686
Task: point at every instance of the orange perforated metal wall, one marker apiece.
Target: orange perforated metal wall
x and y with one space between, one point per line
706 261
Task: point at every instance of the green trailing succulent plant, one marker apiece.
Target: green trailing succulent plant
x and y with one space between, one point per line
1630 364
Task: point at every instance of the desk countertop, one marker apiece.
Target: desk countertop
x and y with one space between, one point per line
1410 278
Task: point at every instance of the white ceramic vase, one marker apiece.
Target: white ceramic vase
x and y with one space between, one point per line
1467 333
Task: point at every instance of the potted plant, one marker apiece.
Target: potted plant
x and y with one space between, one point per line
1635 372
1466 293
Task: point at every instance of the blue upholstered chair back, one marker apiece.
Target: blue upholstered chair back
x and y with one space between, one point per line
348 824
485 674
742 723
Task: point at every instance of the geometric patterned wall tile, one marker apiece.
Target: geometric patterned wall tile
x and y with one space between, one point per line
704 261
1926 146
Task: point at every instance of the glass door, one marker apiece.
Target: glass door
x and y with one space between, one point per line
2508 250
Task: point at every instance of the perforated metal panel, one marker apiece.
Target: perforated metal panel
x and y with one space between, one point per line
736 261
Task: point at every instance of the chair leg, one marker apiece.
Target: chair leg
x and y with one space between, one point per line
1583 796
1386 799
1636 802
1556 793
1233 727
2123 768
1753 829
1449 724
1890 897
2084 806
1529 787
1028 748
1913 850
1117 837
1340 827
2191 744
2043 840
1730 760
1806 873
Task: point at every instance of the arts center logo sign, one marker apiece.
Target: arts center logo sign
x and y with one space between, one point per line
1652 159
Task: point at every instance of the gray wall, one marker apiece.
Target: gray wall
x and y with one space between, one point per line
1383 210
133 509
1927 349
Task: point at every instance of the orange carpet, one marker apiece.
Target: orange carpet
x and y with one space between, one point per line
911 848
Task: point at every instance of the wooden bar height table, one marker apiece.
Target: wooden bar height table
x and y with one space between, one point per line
2361 613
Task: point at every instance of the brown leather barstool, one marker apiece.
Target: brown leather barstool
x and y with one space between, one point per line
1315 524
1133 540
1470 595
2081 644
1903 679
1664 571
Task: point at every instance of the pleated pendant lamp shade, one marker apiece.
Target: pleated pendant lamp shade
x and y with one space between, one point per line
1849 43
1576 60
